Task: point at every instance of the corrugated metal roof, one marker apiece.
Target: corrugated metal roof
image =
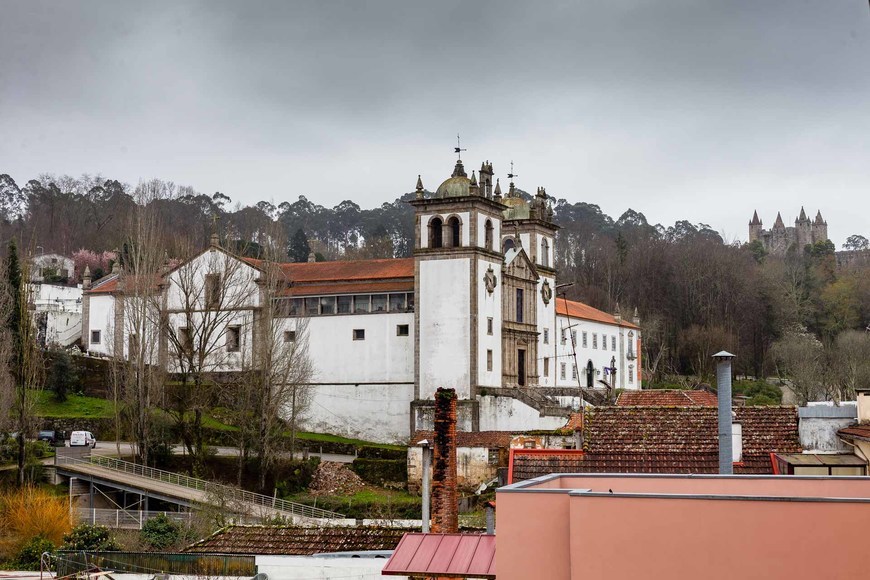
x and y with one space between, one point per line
444 555
822 459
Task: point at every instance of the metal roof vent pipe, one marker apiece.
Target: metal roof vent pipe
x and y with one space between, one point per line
723 394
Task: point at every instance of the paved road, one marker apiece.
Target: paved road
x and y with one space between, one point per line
109 448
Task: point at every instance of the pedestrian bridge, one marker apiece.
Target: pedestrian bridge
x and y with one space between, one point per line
94 474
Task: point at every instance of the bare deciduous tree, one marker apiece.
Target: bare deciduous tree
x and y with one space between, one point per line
206 321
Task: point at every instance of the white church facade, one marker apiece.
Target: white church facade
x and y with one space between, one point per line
476 309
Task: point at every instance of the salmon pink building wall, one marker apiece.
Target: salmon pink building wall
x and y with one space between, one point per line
683 527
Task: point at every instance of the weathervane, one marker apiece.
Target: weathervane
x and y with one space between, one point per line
511 175
458 149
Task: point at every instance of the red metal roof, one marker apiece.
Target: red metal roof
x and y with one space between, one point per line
444 555
585 312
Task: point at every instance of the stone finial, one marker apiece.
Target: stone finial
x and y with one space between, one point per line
473 188
312 257
86 278
635 319
116 267
617 313
419 188
497 193
459 169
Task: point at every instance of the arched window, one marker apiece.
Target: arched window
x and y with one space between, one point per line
435 233
487 238
508 244
590 375
455 232
545 253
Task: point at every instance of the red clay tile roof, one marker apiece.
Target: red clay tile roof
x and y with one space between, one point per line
297 541
345 271
666 440
489 439
666 398
444 556
113 283
861 432
585 312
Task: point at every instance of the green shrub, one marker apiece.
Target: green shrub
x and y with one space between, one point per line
90 537
296 476
29 555
63 376
381 471
372 452
160 532
758 392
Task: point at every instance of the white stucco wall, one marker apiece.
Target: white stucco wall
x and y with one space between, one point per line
188 280
508 414
481 232
489 306
373 412
102 318
382 356
600 356
444 306
546 318
308 568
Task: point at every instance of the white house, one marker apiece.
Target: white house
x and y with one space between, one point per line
475 309
45 266
57 313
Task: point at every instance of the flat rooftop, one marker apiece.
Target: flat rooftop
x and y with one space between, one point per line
741 487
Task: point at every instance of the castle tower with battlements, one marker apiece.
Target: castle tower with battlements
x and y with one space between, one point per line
780 239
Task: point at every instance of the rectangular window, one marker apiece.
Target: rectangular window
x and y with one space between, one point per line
312 306
613 343
546 336
489 325
289 336
345 304
212 290
519 304
595 341
233 338
185 341
327 305
359 334
562 371
397 302
630 374
564 338
489 360
410 297
574 338
95 336
574 372
361 303
298 306
493 456
521 367
546 367
379 303
585 340
402 330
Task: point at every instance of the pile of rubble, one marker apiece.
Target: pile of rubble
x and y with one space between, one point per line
331 478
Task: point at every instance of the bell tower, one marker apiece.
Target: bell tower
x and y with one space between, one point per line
457 267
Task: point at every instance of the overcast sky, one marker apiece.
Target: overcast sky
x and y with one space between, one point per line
680 109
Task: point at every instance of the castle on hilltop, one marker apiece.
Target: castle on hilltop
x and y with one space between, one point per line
780 238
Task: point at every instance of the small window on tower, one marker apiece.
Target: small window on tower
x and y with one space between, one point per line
489 325
359 334
613 343
546 367
489 360
402 330
546 336
95 336
562 367
595 341
585 339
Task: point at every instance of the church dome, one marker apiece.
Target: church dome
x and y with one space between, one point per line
457 185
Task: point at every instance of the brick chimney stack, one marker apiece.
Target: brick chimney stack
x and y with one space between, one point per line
445 498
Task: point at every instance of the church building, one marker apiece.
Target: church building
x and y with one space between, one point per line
477 309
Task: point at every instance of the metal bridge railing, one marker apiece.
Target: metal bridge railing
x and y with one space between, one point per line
220 491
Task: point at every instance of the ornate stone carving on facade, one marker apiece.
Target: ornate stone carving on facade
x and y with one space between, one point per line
546 292
490 280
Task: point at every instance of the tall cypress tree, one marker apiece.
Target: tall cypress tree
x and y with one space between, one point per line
13 322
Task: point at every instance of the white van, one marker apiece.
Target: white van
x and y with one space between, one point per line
82 439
